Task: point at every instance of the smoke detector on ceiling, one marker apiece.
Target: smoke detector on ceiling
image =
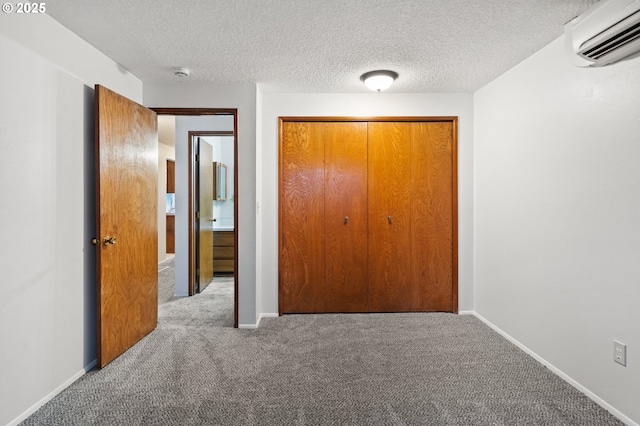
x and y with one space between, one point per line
181 72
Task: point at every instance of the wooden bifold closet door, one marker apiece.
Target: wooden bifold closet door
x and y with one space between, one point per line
367 215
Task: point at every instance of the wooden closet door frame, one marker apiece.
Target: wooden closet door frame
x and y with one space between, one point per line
452 119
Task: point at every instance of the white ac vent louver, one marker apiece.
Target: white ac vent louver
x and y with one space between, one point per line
606 33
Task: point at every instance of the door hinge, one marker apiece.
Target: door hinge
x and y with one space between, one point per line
197 157
197 272
197 215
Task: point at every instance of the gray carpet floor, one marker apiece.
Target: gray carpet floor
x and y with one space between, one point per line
370 369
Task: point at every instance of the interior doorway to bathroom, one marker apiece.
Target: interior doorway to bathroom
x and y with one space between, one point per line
214 200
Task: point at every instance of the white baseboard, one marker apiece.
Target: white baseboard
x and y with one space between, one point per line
248 326
595 398
52 394
257 324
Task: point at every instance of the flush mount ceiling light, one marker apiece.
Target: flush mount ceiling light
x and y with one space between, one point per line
378 80
181 72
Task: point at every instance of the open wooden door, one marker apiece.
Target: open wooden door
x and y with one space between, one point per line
127 237
205 205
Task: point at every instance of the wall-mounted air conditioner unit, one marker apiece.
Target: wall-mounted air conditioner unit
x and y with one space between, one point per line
606 33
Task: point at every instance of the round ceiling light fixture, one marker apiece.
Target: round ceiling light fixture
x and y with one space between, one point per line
378 80
181 72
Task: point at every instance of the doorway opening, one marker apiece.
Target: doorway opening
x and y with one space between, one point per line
214 195
198 128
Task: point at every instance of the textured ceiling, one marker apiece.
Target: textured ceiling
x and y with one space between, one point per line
320 45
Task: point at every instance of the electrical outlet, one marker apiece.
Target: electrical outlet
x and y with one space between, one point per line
620 353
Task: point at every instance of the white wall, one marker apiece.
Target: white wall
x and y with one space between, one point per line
374 104
242 97
557 216
47 292
223 210
259 230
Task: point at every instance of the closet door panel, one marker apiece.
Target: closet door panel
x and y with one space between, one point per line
432 204
389 190
396 184
345 223
302 266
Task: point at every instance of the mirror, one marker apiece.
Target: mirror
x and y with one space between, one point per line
220 181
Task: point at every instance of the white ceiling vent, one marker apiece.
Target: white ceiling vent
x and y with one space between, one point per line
604 34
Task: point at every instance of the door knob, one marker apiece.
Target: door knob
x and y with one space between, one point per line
346 220
109 240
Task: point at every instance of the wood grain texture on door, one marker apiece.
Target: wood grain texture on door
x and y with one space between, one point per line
432 216
389 189
205 204
171 233
223 252
368 214
345 221
302 192
126 215
171 177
